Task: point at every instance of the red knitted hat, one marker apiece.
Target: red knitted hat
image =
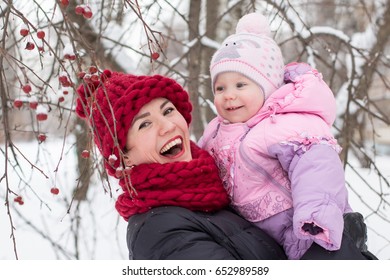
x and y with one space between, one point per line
110 103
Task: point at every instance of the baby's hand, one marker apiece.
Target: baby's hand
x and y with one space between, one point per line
311 228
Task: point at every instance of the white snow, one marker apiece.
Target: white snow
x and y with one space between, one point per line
102 233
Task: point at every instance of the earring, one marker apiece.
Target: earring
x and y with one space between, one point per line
127 161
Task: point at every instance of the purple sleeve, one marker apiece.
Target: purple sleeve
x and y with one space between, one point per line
318 191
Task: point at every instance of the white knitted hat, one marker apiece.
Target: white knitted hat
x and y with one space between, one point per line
251 52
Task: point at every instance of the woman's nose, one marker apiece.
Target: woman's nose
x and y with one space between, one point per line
166 126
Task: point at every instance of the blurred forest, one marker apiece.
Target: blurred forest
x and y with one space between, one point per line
48 48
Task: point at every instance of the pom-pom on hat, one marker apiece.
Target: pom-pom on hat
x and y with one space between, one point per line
110 103
251 52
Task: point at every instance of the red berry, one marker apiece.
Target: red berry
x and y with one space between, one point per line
54 190
24 32
30 46
85 154
41 34
41 137
63 79
70 56
41 113
155 55
41 117
112 159
87 78
79 10
65 92
26 88
93 69
94 78
119 172
66 83
61 99
65 2
87 14
18 103
33 104
81 74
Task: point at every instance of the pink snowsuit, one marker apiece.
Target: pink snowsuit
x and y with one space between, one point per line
281 168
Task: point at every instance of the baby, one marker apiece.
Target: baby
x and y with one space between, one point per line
272 141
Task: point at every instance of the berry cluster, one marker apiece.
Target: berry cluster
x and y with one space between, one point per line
84 10
32 101
30 45
19 200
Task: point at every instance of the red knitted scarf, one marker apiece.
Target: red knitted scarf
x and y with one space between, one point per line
194 185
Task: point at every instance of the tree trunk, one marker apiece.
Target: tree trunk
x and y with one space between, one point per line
194 67
211 33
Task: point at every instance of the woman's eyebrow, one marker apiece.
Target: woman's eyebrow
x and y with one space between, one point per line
144 115
164 103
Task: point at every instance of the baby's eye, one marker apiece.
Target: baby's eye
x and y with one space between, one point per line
218 89
240 85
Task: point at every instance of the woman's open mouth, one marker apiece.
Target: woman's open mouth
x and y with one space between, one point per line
172 148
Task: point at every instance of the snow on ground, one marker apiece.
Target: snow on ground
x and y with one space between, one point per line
102 232
375 212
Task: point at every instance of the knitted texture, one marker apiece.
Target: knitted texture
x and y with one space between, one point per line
110 104
194 185
251 52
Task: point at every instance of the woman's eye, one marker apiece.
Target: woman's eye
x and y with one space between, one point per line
168 110
143 125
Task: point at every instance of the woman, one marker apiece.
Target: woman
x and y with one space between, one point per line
173 198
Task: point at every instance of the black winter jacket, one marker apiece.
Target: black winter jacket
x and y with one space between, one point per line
170 232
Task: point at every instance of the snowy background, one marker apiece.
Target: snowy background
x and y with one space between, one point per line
45 226
46 219
43 220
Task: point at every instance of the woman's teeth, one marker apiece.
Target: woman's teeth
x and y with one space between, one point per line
170 145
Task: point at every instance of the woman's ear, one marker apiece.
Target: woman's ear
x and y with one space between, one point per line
126 160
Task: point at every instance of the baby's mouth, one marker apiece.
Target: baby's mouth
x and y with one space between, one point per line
172 148
233 108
